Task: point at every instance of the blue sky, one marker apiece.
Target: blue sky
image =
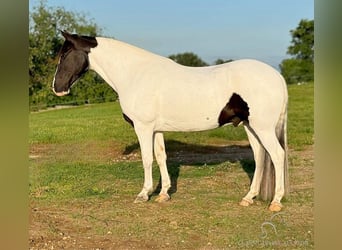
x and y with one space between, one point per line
212 29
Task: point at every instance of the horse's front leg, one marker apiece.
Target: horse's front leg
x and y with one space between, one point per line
145 137
159 152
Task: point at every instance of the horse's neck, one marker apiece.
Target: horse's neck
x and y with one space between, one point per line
116 62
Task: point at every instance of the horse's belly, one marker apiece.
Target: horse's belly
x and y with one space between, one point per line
165 125
190 109
185 118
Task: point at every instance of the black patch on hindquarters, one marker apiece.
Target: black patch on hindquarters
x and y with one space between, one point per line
235 111
127 119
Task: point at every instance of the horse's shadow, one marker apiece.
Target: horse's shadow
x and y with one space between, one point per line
180 153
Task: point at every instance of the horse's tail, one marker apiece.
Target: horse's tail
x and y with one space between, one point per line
267 187
281 131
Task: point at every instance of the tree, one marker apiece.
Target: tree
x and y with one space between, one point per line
44 44
297 70
303 41
300 68
188 59
221 61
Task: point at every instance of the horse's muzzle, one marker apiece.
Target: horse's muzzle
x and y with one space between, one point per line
63 93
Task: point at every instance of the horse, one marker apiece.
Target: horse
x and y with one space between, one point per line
157 95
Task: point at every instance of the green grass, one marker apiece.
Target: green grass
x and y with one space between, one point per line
301 115
84 123
85 171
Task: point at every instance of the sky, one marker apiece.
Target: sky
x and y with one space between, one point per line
212 29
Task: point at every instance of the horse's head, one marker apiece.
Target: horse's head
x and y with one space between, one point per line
73 61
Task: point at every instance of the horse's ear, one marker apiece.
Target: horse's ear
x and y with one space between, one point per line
73 38
80 42
66 34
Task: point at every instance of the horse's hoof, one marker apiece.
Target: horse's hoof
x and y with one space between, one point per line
162 198
245 203
140 199
275 207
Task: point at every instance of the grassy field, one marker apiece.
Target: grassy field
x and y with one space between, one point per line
85 171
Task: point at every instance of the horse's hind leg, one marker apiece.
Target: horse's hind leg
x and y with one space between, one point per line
270 142
159 152
258 152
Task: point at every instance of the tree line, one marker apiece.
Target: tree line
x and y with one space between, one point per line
45 41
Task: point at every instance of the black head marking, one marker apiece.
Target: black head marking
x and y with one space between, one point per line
73 62
235 111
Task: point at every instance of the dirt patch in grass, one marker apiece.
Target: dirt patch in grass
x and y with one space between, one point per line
75 226
202 214
107 151
110 151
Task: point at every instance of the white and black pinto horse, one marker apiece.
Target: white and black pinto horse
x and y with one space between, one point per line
157 95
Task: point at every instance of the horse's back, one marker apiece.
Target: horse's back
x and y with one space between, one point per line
203 92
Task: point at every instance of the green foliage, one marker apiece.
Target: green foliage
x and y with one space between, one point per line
221 61
300 68
44 44
302 43
188 59
297 70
